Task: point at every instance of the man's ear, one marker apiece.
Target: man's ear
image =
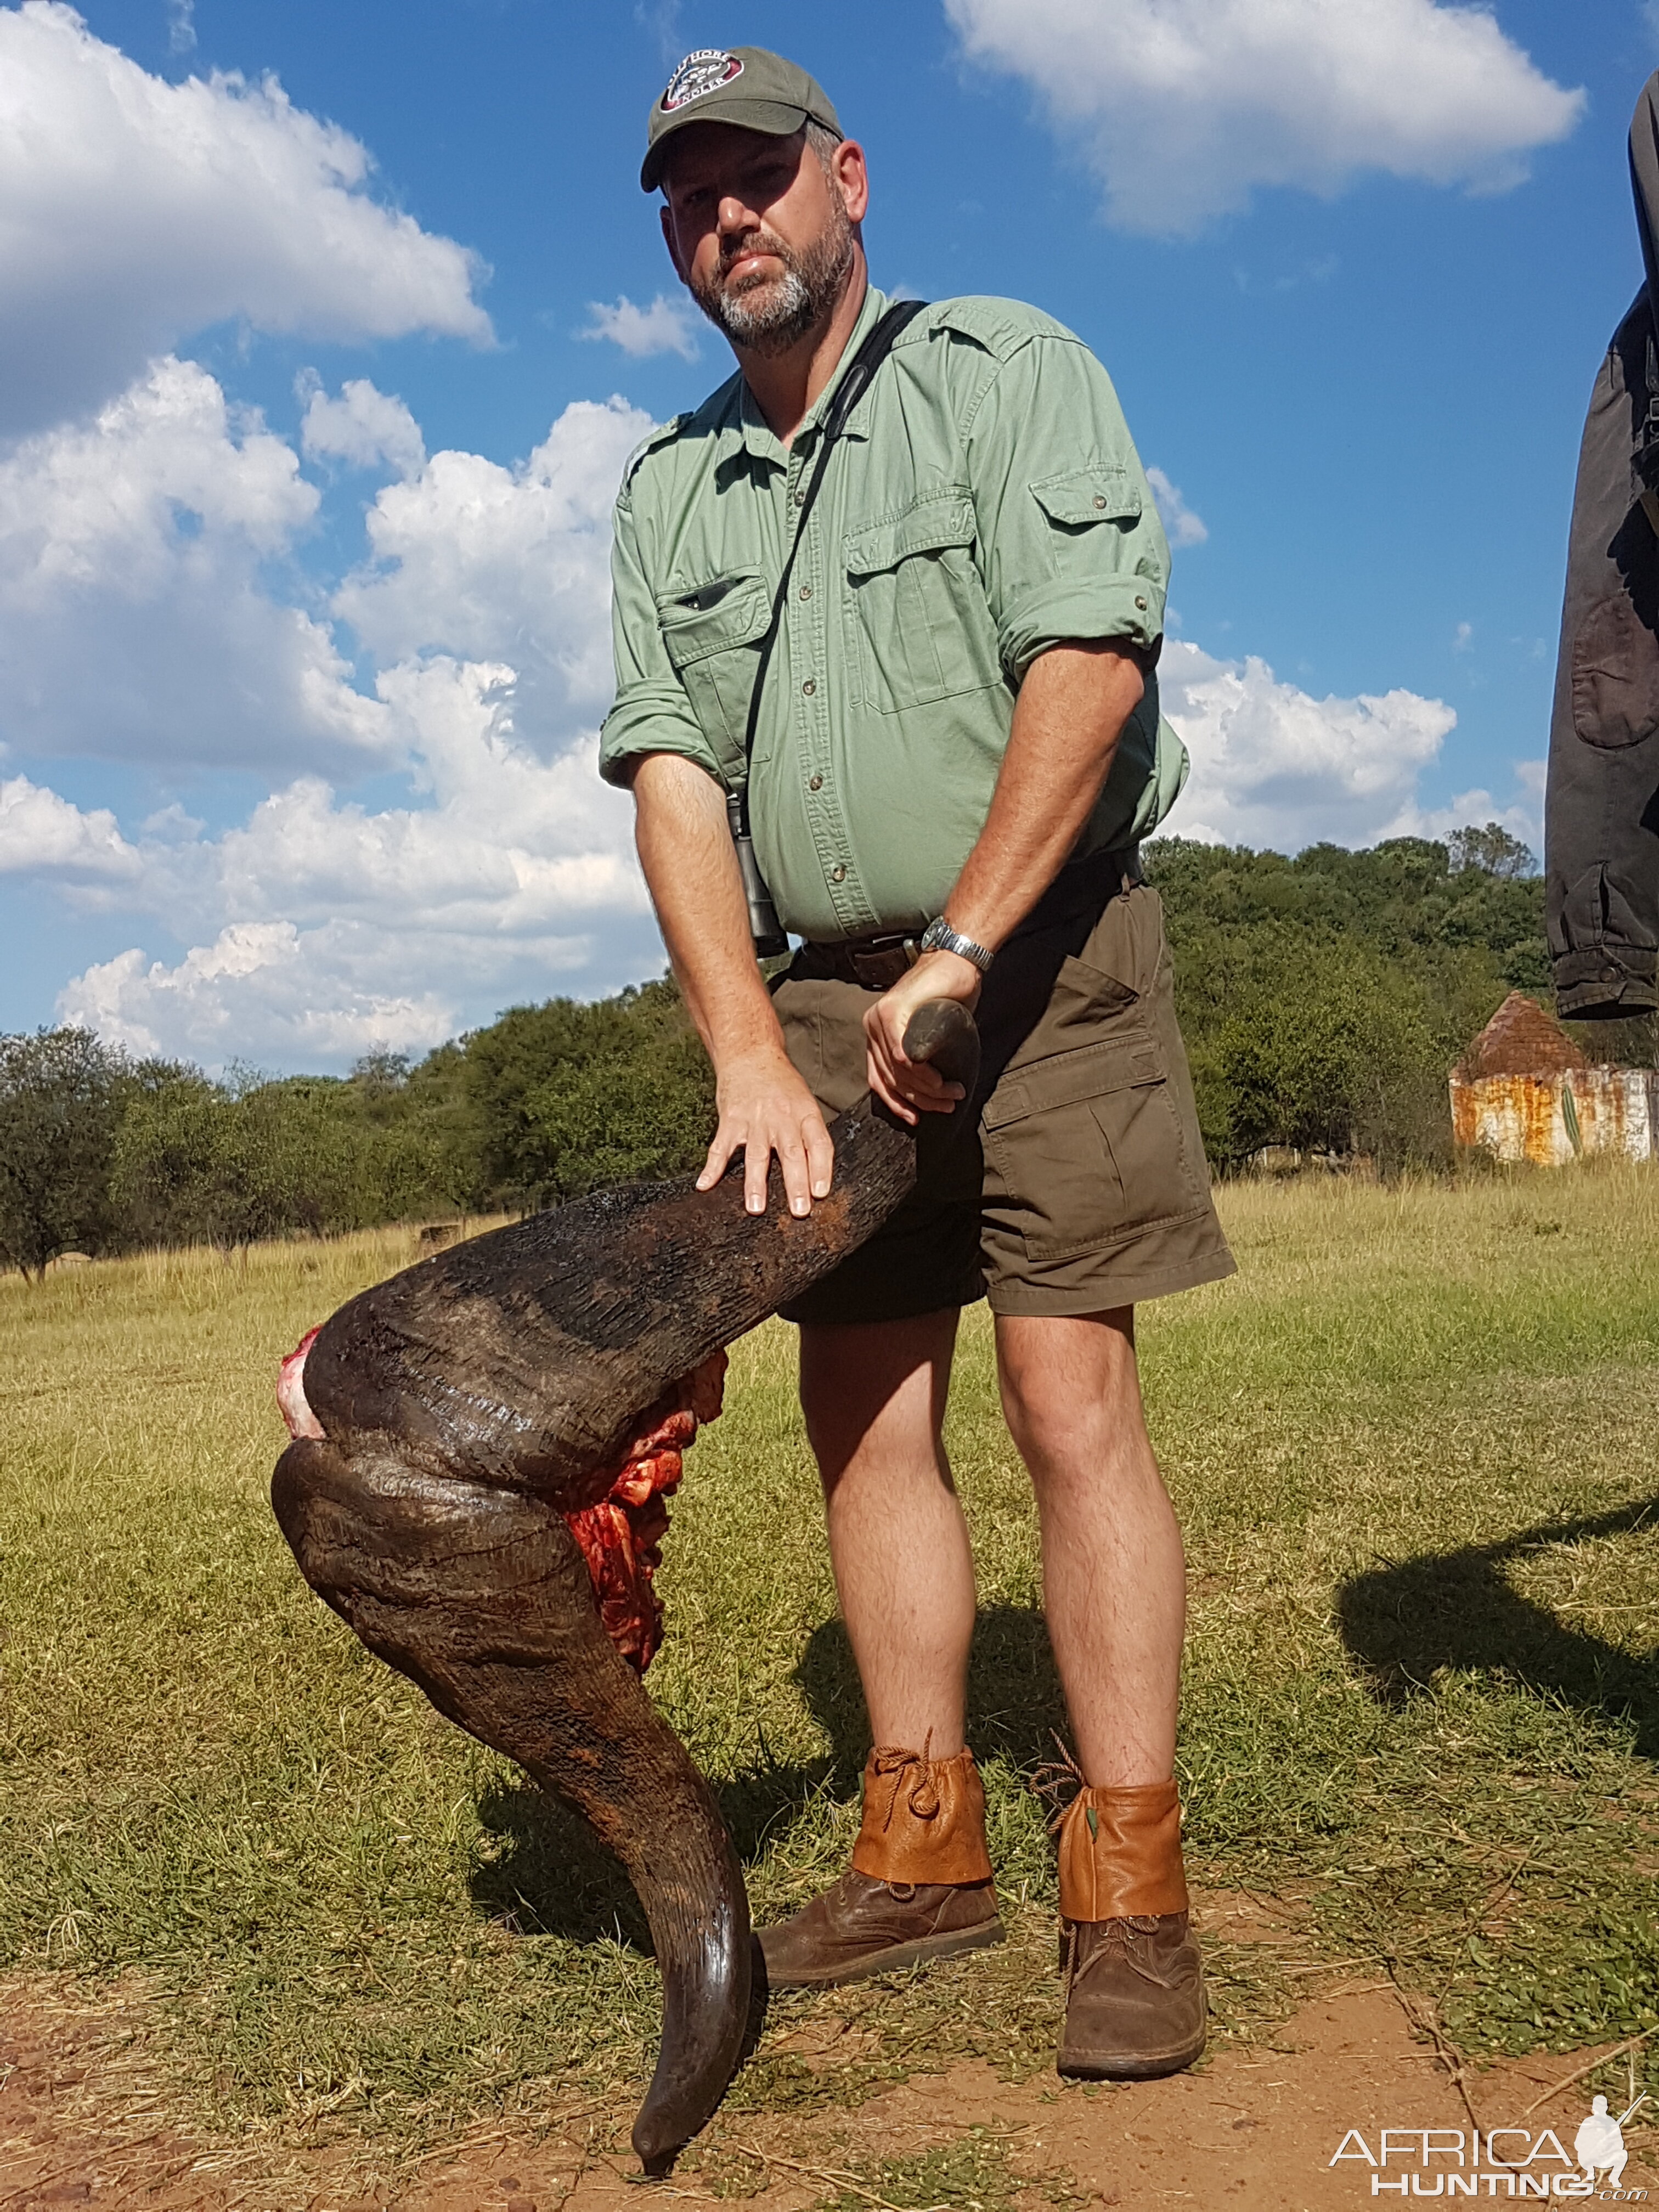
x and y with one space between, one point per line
668 240
851 177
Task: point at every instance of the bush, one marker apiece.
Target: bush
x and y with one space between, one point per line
198 1162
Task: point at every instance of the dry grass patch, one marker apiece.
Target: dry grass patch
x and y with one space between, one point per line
1412 1447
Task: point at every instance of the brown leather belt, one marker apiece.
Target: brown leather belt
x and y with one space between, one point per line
877 963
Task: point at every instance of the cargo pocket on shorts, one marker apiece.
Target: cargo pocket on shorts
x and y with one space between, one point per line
1087 1144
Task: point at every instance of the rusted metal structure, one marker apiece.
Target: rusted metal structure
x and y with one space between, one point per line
1525 1091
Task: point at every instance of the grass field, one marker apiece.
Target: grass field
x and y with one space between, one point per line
1413 1448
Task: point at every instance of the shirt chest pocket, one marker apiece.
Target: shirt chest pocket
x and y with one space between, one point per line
920 628
712 633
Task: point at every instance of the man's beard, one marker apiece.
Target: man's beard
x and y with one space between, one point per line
768 316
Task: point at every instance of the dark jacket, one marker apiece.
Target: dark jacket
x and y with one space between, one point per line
1601 812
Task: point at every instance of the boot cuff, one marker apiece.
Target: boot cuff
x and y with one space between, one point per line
924 1818
1120 1853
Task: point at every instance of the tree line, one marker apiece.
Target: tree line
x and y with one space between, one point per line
1323 999
101 1153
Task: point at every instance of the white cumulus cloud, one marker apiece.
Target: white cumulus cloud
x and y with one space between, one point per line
134 619
1273 765
1181 526
319 930
363 428
492 564
667 326
259 987
136 211
324 929
1186 107
316 926
41 834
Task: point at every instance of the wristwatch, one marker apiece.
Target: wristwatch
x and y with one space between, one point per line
939 937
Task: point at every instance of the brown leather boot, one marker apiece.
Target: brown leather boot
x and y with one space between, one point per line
1134 1982
920 1886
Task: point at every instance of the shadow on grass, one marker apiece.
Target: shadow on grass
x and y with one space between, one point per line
550 1876
1014 1704
1457 1610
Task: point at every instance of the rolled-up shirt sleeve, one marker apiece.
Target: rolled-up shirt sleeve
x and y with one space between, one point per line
652 713
1070 543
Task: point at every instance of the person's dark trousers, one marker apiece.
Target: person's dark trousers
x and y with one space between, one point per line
1601 808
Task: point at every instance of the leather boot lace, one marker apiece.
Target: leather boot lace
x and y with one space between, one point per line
890 1758
1116 1935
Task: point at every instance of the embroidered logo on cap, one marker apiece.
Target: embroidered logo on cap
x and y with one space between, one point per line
703 72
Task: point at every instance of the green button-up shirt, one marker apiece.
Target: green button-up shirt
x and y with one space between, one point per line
984 502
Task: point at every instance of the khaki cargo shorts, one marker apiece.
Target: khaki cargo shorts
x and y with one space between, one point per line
1080 1184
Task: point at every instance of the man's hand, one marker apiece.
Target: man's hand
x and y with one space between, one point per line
685 848
765 1107
911 1087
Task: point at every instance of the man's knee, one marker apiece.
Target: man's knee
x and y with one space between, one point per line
1070 1384
875 1384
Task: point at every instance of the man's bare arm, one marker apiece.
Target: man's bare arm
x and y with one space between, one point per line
1068 717
685 848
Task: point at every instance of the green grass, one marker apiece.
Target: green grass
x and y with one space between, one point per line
1413 1446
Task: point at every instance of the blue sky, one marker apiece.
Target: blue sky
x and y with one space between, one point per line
296 706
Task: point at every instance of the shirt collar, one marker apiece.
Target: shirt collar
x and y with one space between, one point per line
758 436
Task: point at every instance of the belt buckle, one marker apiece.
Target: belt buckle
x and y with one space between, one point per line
879 968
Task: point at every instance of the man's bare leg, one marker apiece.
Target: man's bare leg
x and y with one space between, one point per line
874 1400
919 1886
1113 1576
1115 1590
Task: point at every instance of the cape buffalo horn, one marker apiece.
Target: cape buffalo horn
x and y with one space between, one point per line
448 1422
943 1032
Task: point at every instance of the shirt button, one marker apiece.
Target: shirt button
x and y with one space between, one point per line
815 783
838 874
1141 604
809 687
806 591
1099 500
800 495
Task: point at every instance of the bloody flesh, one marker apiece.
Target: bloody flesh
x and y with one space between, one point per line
620 1529
621 1536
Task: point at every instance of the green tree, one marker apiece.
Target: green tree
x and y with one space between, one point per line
1330 994
567 1096
1336 1054
201 1162
60 1104
1493 850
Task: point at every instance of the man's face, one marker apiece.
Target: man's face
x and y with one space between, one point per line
760 230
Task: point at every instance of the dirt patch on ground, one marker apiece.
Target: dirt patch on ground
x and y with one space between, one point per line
1257 2128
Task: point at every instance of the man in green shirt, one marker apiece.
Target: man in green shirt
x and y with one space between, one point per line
956 753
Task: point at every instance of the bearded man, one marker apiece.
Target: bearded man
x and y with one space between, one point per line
953 755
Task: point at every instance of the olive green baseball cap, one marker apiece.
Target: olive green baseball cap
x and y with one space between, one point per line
744 85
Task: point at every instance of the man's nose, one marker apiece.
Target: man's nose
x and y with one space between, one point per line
736 216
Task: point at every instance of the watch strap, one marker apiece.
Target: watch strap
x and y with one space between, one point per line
939 937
